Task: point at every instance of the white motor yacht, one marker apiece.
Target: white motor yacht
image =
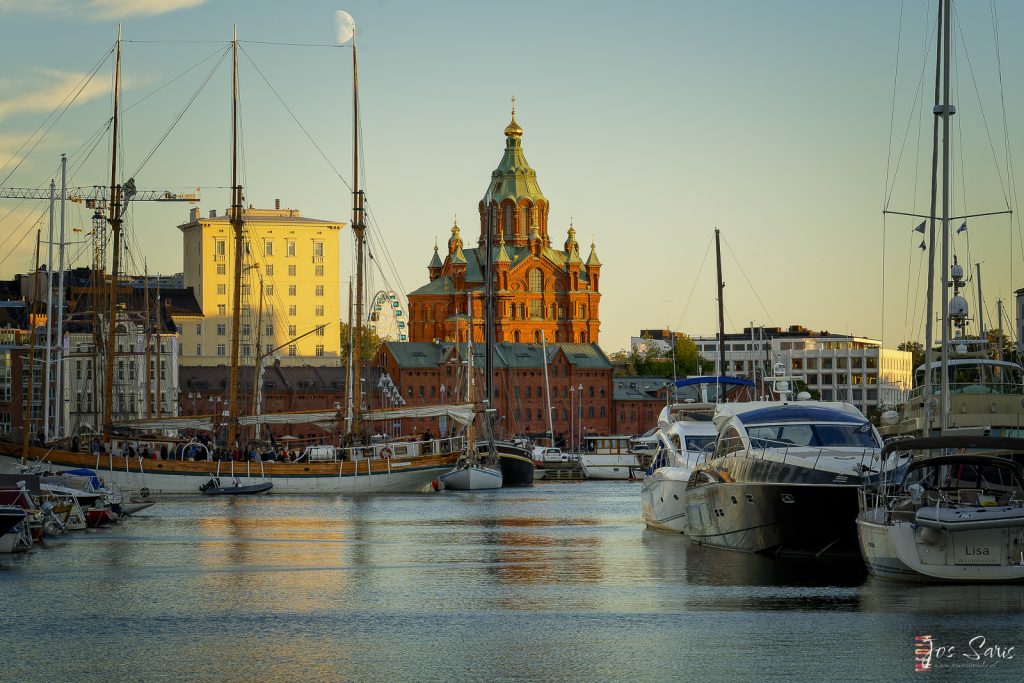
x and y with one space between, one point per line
684 430
783 478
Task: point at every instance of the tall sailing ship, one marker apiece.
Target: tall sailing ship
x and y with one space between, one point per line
364 466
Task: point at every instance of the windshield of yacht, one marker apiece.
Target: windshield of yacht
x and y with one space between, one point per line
1002 377
815 435
697 443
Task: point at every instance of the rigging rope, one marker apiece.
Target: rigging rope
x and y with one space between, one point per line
686 306
749 283
62 107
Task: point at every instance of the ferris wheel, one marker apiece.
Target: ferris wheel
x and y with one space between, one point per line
387 318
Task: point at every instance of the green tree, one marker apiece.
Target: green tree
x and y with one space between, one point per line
369 348
916 349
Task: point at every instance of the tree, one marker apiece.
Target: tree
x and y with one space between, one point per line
916 349
688 360
370 346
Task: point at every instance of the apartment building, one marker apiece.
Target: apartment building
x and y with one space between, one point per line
289 288
839 367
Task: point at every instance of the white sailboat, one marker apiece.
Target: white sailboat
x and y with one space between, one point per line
475 471
957 514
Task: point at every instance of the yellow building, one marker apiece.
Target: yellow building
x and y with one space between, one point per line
293 260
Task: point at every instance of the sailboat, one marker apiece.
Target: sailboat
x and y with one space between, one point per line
363 468
957 513
475 471
685 431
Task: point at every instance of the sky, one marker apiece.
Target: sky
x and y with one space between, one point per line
787 125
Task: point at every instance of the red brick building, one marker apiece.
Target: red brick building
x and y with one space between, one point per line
538 288
580 380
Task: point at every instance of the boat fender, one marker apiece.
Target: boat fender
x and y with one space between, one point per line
385 452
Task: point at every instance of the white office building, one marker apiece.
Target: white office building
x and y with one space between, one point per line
839 367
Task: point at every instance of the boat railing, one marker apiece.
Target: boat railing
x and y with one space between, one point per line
780 452
404 449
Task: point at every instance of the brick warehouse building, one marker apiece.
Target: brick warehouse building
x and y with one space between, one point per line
432 373
538 288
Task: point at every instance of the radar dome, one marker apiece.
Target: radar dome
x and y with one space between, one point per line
958 307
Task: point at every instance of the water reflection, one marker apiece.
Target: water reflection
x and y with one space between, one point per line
559 582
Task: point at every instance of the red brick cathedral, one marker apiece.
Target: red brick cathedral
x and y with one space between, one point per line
537 288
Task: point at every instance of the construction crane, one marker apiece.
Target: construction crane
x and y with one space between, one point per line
94 196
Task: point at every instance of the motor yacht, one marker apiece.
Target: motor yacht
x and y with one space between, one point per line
783 478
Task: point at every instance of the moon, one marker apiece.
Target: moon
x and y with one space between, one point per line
344 27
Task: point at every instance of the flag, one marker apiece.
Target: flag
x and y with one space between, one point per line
920 228
962 228
921 246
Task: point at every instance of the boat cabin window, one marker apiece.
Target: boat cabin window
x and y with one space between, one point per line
697 443
988 478
813 435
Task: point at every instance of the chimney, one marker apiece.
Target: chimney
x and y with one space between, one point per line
193 214
277 204
213 213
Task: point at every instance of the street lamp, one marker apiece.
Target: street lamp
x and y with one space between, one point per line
579 422
572 418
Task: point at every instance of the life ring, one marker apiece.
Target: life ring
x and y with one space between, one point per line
144 492
385 452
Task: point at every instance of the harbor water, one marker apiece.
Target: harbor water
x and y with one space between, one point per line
559 582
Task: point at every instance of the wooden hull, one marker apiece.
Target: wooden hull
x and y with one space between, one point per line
185 476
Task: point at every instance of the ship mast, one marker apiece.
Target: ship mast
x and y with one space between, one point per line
236 224
930 315
721 307
115 224
26 427
359 229
945 112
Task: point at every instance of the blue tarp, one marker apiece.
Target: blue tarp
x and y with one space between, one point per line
799 413
691 381
83 472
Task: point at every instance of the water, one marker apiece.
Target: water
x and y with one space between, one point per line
560 582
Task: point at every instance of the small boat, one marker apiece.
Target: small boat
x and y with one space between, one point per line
473 475
100 516
610 457
214 488
10 517
517 467
133 506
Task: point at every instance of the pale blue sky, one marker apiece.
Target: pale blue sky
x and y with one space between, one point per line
649 123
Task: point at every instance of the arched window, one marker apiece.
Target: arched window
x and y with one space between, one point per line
554 310
522 311
558 336
515 336
525 214
536 280
536 336
509 220
583 337
583 311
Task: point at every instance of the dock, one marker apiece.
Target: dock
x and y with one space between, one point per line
564 471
